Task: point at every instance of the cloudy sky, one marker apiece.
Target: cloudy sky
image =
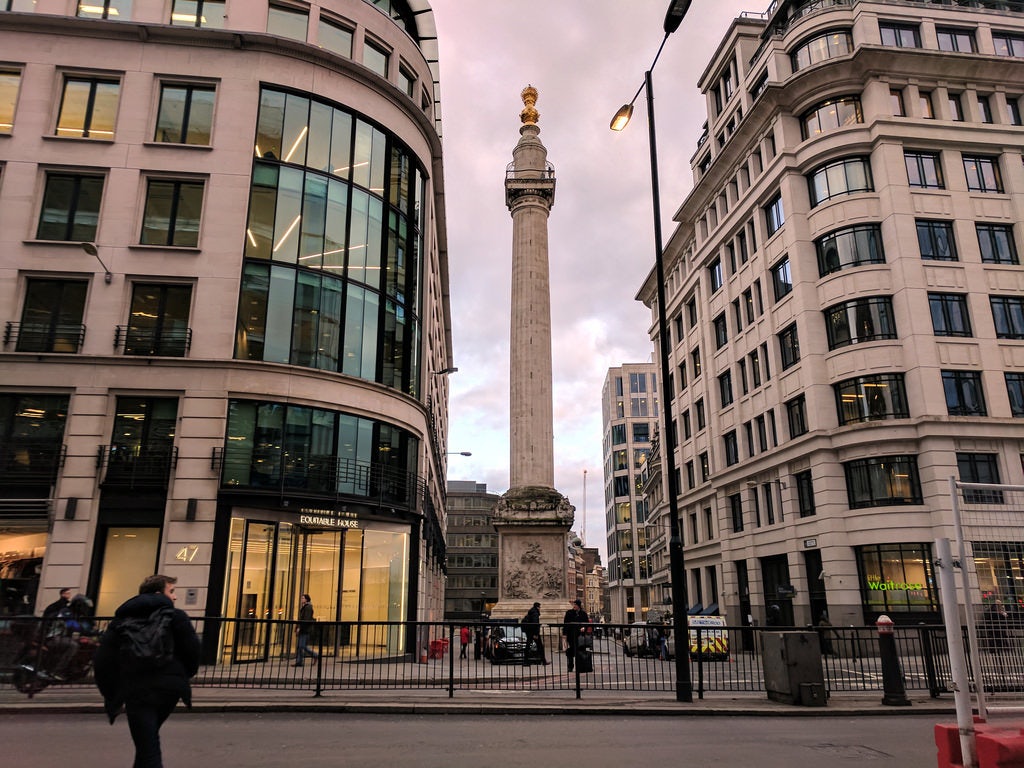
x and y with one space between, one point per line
586 58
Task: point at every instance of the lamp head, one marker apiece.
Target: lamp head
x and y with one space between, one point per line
621 119
674 16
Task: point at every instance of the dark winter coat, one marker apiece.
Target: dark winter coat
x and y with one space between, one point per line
118 685
531 623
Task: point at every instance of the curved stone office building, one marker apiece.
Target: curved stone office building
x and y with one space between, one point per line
223 276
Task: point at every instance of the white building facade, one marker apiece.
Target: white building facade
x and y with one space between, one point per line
846 303
224 280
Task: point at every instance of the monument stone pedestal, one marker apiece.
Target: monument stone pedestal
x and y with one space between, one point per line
532 523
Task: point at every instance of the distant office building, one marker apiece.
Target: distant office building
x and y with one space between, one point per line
629 408
225 304
472 586
845 305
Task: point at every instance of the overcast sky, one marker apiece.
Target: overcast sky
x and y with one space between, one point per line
586 58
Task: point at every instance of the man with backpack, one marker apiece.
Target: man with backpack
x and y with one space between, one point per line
145 660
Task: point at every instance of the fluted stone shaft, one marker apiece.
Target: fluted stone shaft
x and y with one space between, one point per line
530 195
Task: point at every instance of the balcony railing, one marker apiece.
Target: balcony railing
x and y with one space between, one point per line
31 462
136 466
160 342
63 338
273 470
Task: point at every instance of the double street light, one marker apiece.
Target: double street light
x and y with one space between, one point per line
684 685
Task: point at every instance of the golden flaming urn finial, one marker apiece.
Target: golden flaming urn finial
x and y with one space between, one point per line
529 115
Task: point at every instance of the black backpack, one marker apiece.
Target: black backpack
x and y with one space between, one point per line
144 644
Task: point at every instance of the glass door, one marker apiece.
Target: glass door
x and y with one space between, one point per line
255 586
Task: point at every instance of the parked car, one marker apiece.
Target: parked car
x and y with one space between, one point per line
506 643
641 639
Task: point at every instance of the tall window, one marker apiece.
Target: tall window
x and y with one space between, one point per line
71 207
896 101
695 362
782 280
736 512
805 493
849 247
997 244
964 395
88 108
774 215
882 481
159 320
31 443
924 101
956 107
955 39
1015 392
721 331
924 170
871 398
115 10
732 450
725 388
950 316
51 318
172 213
860 320
208 14
828 45
1008 44
982 173
701 416
285 21
796 416
899 35
842 177
9 84
715 274
1008 315
186 114
789 346
705 467
1013 115
936 241
831 114
334 37
984 108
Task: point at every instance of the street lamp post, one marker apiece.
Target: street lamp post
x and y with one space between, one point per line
677 574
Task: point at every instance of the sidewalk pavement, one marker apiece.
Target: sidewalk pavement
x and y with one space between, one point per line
520 701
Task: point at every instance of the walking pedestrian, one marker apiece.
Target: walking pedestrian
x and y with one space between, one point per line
303 630
464 639
572 625
62 603
531 628
148 692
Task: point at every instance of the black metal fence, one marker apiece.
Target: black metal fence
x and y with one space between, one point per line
252 653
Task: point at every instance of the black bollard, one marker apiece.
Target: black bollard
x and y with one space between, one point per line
895 695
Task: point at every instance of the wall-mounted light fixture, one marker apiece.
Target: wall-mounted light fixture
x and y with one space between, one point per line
92 250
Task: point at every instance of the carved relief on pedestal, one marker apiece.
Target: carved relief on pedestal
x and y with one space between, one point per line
531 569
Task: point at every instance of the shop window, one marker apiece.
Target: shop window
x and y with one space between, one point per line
871 398
113 10
71 207
896 579
172 212
1008 315
924 170
882 481
842 177
996 243
849 247
208 14
88 108
51 318
10 83
185 115
936 241
285 21
964 393
950 316
860 320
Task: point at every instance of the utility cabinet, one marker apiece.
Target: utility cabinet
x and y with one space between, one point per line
792 668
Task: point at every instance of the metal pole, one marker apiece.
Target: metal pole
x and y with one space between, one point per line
677 574
957 658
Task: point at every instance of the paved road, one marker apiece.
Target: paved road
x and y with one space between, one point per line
447 741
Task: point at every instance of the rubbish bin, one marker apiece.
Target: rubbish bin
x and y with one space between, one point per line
792 668
438 648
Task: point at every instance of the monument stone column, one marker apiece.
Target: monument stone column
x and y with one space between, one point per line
532 518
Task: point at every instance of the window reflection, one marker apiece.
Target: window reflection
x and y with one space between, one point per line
88 108
9 83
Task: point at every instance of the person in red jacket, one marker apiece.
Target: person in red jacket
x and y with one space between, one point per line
465 636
